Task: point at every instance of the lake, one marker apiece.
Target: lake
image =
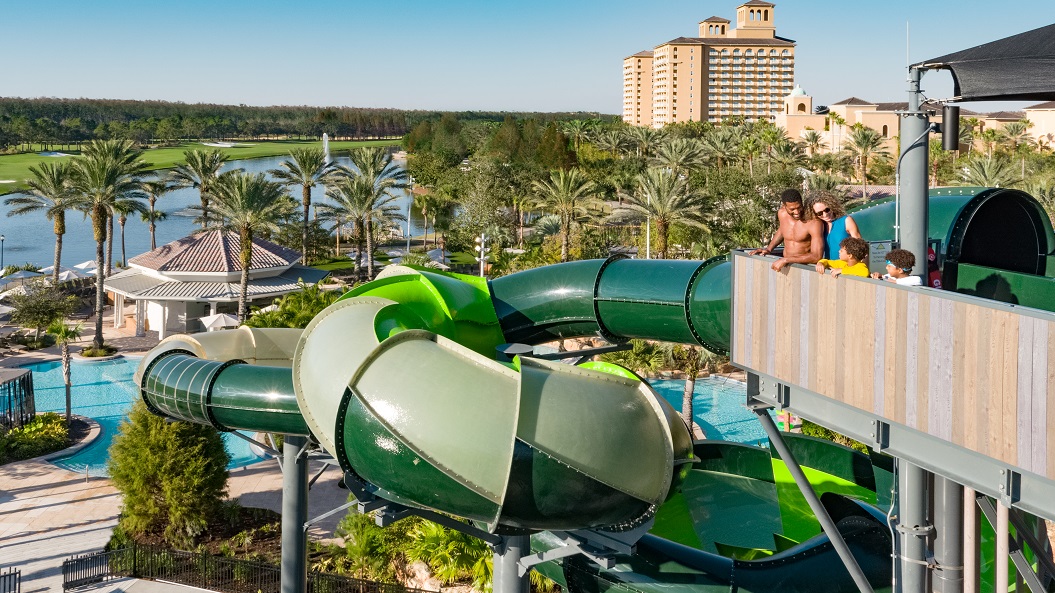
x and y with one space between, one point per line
31 238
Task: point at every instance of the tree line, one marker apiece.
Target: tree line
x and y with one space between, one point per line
65 122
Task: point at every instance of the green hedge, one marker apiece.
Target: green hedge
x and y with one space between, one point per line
47 433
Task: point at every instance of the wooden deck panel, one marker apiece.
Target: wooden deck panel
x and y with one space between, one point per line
969 371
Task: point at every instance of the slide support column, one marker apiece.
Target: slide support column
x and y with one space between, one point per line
294 575
914 528
507 557
948 543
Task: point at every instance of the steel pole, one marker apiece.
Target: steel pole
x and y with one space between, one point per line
818 509
913 176
294 575
506 578
948 544
1000 569
971 538
914 528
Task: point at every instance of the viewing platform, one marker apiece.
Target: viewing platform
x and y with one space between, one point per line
953 383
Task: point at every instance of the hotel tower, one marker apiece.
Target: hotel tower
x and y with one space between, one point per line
742 71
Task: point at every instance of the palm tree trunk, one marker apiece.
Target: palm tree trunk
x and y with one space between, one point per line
306 202
686 400
369 248
662 228
100 293
124 254
58 257
565 231
246 239
153 245
204 210
66 379
109 244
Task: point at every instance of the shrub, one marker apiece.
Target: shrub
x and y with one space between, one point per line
46 433
172 476
816 430
105 350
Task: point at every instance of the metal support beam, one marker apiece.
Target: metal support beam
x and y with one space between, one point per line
507 577
1008 547
818 509
1031 492
971 540
294 571
913 178
914 528
948 545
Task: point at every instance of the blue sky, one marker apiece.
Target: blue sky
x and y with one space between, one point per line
539 55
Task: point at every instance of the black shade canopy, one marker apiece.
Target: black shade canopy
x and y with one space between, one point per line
1020 67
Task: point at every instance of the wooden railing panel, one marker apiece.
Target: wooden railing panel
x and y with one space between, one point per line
970 371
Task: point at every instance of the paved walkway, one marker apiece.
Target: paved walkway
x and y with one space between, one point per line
48 514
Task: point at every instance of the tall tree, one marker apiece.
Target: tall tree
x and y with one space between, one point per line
120 210
50 192
107 171
387 181
64 334
864 144
568 194
154 190
666 199
814 141
306 167
248 205
360 201
681 155
200 171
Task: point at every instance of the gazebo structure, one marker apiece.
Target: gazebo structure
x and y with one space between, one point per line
176 284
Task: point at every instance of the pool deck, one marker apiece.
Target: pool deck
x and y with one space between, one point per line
48 514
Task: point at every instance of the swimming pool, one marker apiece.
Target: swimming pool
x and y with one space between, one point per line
718 406
104 391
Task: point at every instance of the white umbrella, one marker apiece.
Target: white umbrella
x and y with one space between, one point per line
4 310
267 309
219 321
21 275
16 291
67 275
86 265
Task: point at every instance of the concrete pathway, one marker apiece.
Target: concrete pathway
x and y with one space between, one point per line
48 514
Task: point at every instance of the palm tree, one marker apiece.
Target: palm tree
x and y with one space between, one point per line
865 143
610 140
1018 140
994 171
721 145
64 334
121 209
362 202
306 167
835 124
814 141
789 154
248 205
107 171
152 217
681 155
645 140
154 190
770 137
567 194
690 360
664 198
50 193
577 130
200 171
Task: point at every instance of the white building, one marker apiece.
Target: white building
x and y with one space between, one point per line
180 282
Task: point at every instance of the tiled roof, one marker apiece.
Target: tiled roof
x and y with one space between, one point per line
213 251
1012 115
854 101
641 54
1048 105
757 3
715 19
136 285
777 41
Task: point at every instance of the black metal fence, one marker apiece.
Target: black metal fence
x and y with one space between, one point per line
17 407
11 581
216 573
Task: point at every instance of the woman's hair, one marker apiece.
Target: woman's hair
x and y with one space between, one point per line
837 206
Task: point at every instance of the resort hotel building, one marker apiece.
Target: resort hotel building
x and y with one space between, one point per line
743 71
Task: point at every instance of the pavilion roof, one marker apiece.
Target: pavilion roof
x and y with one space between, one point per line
214 251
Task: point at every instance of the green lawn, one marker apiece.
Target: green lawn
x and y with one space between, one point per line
16 166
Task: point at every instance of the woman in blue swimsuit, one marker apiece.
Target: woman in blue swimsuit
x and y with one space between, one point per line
838 225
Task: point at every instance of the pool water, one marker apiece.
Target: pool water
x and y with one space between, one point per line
104 391
718 406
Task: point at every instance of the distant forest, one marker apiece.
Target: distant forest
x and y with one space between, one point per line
65 122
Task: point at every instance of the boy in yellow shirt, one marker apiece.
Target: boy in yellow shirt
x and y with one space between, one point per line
852 255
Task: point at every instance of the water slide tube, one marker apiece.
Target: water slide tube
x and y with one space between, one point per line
399 381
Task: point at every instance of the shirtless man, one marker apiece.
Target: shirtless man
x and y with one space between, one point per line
803 240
